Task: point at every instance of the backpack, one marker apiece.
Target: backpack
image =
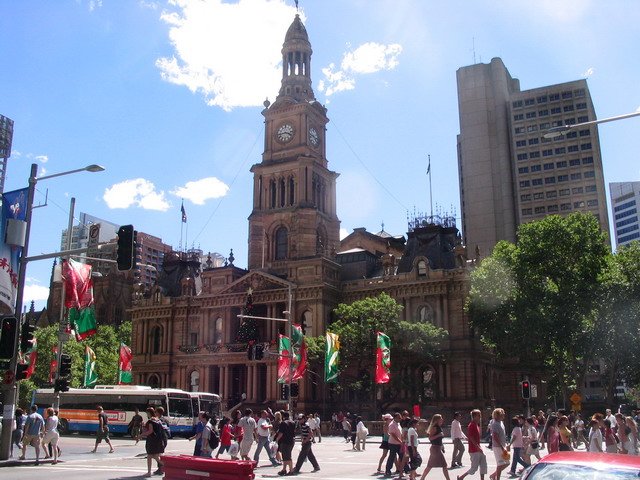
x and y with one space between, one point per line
214 439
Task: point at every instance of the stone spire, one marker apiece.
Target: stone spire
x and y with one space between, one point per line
296 63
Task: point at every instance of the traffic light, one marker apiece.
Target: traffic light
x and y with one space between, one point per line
295 390
126 253
251 353
526 389
284 391
27 337
259 351
21 371
61 385
65 365
8 337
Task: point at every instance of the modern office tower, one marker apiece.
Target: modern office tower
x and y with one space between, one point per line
509 173
625 198
80 232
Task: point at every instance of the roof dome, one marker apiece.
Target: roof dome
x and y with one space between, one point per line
296 31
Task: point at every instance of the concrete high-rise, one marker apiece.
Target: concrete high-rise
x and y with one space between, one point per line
625 199
509 173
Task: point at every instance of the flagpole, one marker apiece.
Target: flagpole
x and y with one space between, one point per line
430 190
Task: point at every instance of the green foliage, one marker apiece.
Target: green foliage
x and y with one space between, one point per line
105 344
550 299
357 325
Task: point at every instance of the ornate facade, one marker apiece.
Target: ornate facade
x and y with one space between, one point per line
299 270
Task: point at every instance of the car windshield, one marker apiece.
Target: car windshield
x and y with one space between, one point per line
557 471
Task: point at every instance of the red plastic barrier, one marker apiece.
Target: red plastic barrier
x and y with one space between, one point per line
188 467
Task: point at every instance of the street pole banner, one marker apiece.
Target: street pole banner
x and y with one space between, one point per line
14 206
125 376
331 358
90 374
383 358
284 359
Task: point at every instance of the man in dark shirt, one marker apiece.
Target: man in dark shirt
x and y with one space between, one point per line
286 439
103 430
305 451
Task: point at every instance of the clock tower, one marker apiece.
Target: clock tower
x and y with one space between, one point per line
294 217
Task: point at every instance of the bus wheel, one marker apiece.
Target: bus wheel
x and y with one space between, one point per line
63 427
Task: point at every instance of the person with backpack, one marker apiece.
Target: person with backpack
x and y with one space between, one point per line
155 441
164 424
210 437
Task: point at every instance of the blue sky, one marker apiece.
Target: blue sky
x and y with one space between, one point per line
167 95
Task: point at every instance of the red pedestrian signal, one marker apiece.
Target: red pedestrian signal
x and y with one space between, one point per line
526 389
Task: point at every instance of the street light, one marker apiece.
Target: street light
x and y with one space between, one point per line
10 394
557 131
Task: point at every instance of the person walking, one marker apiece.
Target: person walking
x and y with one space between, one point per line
532 444
33 429
499 443
384 445
565 434
346 428
306 437
154 441
551 435
595 436
317 432
415 460
516 445
632 435
103 431
286 439
457 437
197 449
16 436
225 435
395 440
361 434
135 425
264 428
478 459
248 425
51 434
611 446
579 428
436 452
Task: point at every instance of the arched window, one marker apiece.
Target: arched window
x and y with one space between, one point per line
272 193
194 380
282 243
217 330
153 381
422 268
156 340
307 323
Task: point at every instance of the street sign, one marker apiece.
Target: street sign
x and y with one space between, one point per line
575 398
94 235
534 390
576 407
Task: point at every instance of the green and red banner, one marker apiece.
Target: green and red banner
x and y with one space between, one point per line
284 359
79 298
299 352
125 375
383 358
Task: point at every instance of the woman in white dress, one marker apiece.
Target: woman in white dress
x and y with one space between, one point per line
595 436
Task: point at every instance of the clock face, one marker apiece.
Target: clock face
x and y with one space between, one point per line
285 133
314 137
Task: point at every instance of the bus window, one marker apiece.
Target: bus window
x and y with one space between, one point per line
180 407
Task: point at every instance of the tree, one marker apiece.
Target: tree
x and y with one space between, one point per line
538 300
358 323
105 344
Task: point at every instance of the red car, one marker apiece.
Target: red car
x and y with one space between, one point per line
585 466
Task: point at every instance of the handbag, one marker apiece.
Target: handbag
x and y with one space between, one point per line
506 456
535 445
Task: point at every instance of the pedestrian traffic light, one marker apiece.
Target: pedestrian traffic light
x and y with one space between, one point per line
8 337
65 365
295 390
251 352
21 371
284 391
27 337
61 385
526 389
126 253
259 351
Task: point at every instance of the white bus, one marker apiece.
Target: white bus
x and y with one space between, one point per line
78 406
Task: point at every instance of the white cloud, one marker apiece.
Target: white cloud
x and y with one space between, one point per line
343 233
230 66
35 292
367 58
202 190
139 192
588 72
638 109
